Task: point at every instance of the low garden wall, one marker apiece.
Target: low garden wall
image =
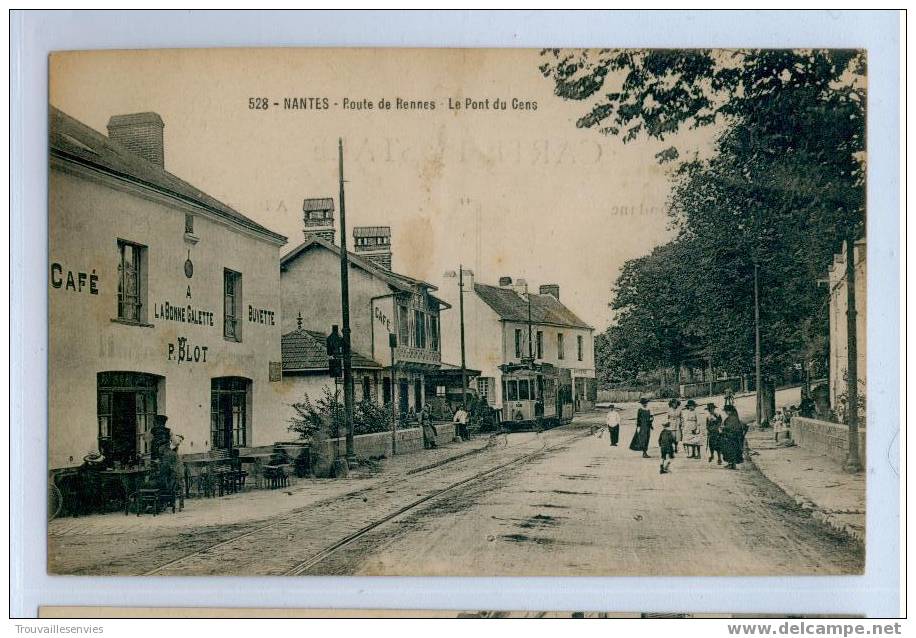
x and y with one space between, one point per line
826 438
625 395
379 444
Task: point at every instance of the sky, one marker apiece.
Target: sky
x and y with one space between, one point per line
515 191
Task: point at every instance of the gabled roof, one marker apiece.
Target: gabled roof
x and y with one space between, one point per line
71 140
510 306
393 279
307 350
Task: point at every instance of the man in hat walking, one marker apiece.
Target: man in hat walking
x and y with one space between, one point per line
613 424
640 442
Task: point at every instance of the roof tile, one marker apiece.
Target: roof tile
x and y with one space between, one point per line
511 306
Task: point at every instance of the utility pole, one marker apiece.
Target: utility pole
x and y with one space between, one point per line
528 297
345 313
758 376
464 372
393 343
853 463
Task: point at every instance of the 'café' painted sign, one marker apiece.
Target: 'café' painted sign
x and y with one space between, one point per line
75 282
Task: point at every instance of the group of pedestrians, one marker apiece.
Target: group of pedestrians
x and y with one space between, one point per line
686 430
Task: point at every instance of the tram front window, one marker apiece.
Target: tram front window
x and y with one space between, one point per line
523 391
512 388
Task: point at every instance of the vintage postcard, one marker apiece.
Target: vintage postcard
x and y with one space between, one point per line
457 312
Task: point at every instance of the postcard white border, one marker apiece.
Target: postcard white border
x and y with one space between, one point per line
35 34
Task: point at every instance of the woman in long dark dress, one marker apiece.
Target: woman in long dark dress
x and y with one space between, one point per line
640 442
732 438
714 433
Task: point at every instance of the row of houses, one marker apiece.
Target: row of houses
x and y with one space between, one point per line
164 300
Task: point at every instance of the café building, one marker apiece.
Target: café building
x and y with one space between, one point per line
161 300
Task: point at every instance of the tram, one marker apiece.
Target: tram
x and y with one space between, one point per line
535 395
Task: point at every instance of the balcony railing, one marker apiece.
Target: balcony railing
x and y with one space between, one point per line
409 354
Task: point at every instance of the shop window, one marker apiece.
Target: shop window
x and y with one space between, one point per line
232 305
561 348
127 407
540 344
131 289
579 347
524 393
229 405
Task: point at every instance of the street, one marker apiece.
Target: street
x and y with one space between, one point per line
563 502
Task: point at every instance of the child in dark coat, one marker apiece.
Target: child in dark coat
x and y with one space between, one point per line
666 442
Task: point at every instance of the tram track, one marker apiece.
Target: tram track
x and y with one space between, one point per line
348 540
303 566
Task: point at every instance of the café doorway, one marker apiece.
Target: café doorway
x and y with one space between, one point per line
127 406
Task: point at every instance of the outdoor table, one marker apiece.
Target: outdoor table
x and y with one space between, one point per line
276 474
130 479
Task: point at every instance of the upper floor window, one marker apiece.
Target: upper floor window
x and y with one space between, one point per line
189 224
579 347
518 343
434 333
561 347
540 344
419 322
131 293
403 326
232 305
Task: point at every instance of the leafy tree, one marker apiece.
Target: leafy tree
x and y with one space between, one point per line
781 191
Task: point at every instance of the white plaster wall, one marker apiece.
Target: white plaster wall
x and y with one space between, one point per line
87 216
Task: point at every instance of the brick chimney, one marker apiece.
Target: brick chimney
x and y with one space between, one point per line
141 133
373 243
318 218
550 289
505 282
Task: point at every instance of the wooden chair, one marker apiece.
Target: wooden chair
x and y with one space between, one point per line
205 482
146 498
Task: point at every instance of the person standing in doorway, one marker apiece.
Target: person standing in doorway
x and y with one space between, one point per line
613 424
160 436
640 442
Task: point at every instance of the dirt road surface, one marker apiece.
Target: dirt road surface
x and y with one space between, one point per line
562 502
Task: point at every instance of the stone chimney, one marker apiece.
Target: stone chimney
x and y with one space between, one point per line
550 289
141 133
318 218
505 282
374 244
